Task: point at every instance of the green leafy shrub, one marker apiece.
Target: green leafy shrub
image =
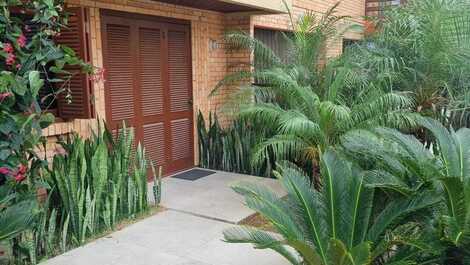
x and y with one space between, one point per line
27 63
382 197
26 59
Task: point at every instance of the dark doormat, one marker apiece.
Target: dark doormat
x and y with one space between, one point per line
194 174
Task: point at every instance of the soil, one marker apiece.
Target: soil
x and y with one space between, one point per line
257 221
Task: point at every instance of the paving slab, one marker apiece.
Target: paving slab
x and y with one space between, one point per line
212 196
181 235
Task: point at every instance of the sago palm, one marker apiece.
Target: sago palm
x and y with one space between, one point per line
306 125
401 163
302 100
337 224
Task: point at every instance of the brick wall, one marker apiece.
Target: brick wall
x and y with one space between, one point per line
211 60
354 9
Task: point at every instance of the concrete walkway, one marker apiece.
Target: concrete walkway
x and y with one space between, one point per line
189 232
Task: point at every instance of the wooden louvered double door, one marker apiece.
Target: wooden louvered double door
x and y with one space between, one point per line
149 86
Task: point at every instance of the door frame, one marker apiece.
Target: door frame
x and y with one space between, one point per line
120 17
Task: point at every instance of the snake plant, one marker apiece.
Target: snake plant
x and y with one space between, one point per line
229 148
98 183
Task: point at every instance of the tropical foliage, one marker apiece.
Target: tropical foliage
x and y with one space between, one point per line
302 102
306 126
338 224
392 183
422 48
26 58
401 163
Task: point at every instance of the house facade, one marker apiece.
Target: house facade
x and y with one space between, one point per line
160 60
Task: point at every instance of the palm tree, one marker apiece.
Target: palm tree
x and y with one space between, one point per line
400 162
306 126
422 47
337 224
304 100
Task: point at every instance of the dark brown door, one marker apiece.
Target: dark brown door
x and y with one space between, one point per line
148 86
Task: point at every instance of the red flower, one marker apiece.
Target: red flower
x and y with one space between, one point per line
10 59
22 169
20 173
8 48
18 66
4 170
4 96
20 177
21 41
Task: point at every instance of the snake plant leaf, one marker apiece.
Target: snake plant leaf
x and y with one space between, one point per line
99 167
64 232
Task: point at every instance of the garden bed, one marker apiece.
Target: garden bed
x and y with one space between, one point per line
5 250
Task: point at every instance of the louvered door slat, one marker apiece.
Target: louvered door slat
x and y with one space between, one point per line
181 139
179 71
152 94
154 141
151 82
119 73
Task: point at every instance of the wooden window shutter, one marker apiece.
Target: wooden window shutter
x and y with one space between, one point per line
76 37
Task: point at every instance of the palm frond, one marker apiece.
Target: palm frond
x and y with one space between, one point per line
16 218
261 240
397 210
283 147
271 207
242 40
310 211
